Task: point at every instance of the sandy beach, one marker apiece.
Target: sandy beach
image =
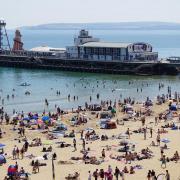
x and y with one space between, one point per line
64 165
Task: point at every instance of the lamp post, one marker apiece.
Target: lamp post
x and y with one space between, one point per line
53 169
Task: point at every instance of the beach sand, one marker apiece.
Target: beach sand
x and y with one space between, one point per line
64 154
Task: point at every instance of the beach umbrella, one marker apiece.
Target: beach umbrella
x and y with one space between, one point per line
2 145
33 122
2 159
53 121
165 140
45 118
34 117
39 121
26 119
12 170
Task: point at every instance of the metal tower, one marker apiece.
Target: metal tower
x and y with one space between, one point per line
4 37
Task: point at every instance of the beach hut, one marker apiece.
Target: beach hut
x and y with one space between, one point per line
2 159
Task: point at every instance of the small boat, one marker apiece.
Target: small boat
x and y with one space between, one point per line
141 74
25 84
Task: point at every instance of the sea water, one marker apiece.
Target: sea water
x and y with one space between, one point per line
45 83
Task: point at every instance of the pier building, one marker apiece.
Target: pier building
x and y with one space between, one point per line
88 48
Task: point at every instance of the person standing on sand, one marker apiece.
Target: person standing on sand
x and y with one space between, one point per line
143 120
151 132
26 145
117 173
153 175
82 133
84 144
167 176
89 175
128 133
163 161
101 174
158 139
145 131
96 174
14 153
36 165
162 153
23 131
22 153
149 175
16 166
17 153
74 143
103 153
0 133
156 121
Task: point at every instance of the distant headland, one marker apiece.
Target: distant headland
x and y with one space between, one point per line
107 26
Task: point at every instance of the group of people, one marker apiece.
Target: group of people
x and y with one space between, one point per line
153 176
108 175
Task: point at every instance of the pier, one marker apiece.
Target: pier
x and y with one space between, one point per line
110 67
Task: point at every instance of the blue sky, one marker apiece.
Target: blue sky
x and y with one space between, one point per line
32 12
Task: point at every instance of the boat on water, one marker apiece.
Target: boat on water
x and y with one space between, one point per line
25 84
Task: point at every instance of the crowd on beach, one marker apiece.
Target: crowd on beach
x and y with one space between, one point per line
118 113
